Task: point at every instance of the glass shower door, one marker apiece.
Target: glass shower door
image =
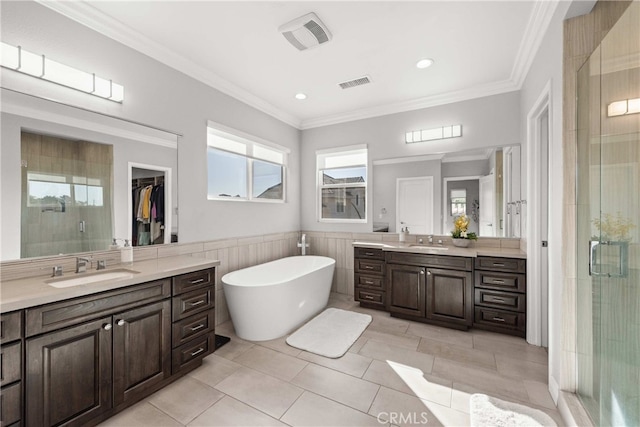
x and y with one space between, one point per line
608 220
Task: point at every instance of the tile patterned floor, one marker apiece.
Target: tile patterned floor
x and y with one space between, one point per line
398 373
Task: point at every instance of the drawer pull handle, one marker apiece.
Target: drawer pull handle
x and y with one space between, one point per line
107 327
193 304
498 264
368 267
368 297
496 299
368 282
195 328
198 351
498 281
498 319
195 282
368 253
120 322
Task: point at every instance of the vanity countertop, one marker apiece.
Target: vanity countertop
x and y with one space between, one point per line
449 251
29 292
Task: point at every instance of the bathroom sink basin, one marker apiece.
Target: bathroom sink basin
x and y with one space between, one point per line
434 248
86 278
373 244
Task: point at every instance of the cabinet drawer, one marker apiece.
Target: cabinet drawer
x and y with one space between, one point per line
442 261
501 281
190 354
67 313
374 299
368 253
515 265
11 404
10 363
192 327
369 266
500 318
191 281
193 302
375 282
10 326
496 299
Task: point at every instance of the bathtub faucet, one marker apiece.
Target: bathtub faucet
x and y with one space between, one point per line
303 245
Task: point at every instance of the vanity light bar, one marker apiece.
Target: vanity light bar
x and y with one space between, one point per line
444 132
621 108
17 59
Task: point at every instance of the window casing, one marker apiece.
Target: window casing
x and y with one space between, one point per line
342 184
242 167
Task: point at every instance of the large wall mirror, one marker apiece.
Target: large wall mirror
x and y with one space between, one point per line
425 193
69 180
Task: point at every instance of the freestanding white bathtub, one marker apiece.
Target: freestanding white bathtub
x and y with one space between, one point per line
270 300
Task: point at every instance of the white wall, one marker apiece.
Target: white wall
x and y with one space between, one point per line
547 67
163 97
486 122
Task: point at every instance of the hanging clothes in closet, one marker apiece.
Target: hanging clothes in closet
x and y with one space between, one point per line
148 214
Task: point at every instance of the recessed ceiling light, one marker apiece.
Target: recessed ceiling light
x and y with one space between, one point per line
424 63
301 96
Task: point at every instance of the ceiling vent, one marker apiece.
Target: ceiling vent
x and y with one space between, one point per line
305 32
355 82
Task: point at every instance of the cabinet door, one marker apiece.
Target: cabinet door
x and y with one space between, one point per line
450 296
406 289
141 350
68 374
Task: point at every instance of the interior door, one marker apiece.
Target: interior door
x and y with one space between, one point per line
414 204
487 202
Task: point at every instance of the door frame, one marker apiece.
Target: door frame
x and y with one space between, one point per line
168 208
445 196
414 178
532 222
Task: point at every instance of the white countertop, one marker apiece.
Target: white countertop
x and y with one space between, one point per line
33 291
446 250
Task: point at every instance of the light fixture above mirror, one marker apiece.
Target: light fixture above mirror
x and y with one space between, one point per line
444 132
18 59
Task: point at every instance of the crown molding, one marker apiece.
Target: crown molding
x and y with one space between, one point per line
87 15
536 29
90 17
489 89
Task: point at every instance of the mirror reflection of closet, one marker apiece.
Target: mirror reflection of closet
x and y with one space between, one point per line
150 205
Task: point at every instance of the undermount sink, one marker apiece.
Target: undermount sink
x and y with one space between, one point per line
435 248
86 278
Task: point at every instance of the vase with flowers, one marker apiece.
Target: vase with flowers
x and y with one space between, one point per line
460 234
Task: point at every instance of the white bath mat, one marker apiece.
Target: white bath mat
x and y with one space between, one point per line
330 333
488 411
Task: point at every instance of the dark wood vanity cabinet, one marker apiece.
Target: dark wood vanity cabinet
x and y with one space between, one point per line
369 272
406 289
430 288
193 319
11 376
450 296
501 295
90 357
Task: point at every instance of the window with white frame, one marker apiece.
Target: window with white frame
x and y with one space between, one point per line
244 167
342 184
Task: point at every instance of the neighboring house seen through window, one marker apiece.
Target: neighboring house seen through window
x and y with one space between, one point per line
243 167
342 184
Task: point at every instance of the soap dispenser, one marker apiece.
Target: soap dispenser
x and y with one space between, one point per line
402 235
126 253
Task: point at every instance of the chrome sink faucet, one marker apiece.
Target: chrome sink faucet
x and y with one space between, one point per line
81 264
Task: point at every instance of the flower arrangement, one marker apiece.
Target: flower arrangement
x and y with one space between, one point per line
613 228
460 226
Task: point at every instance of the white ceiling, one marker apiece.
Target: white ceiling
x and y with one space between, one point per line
480 48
